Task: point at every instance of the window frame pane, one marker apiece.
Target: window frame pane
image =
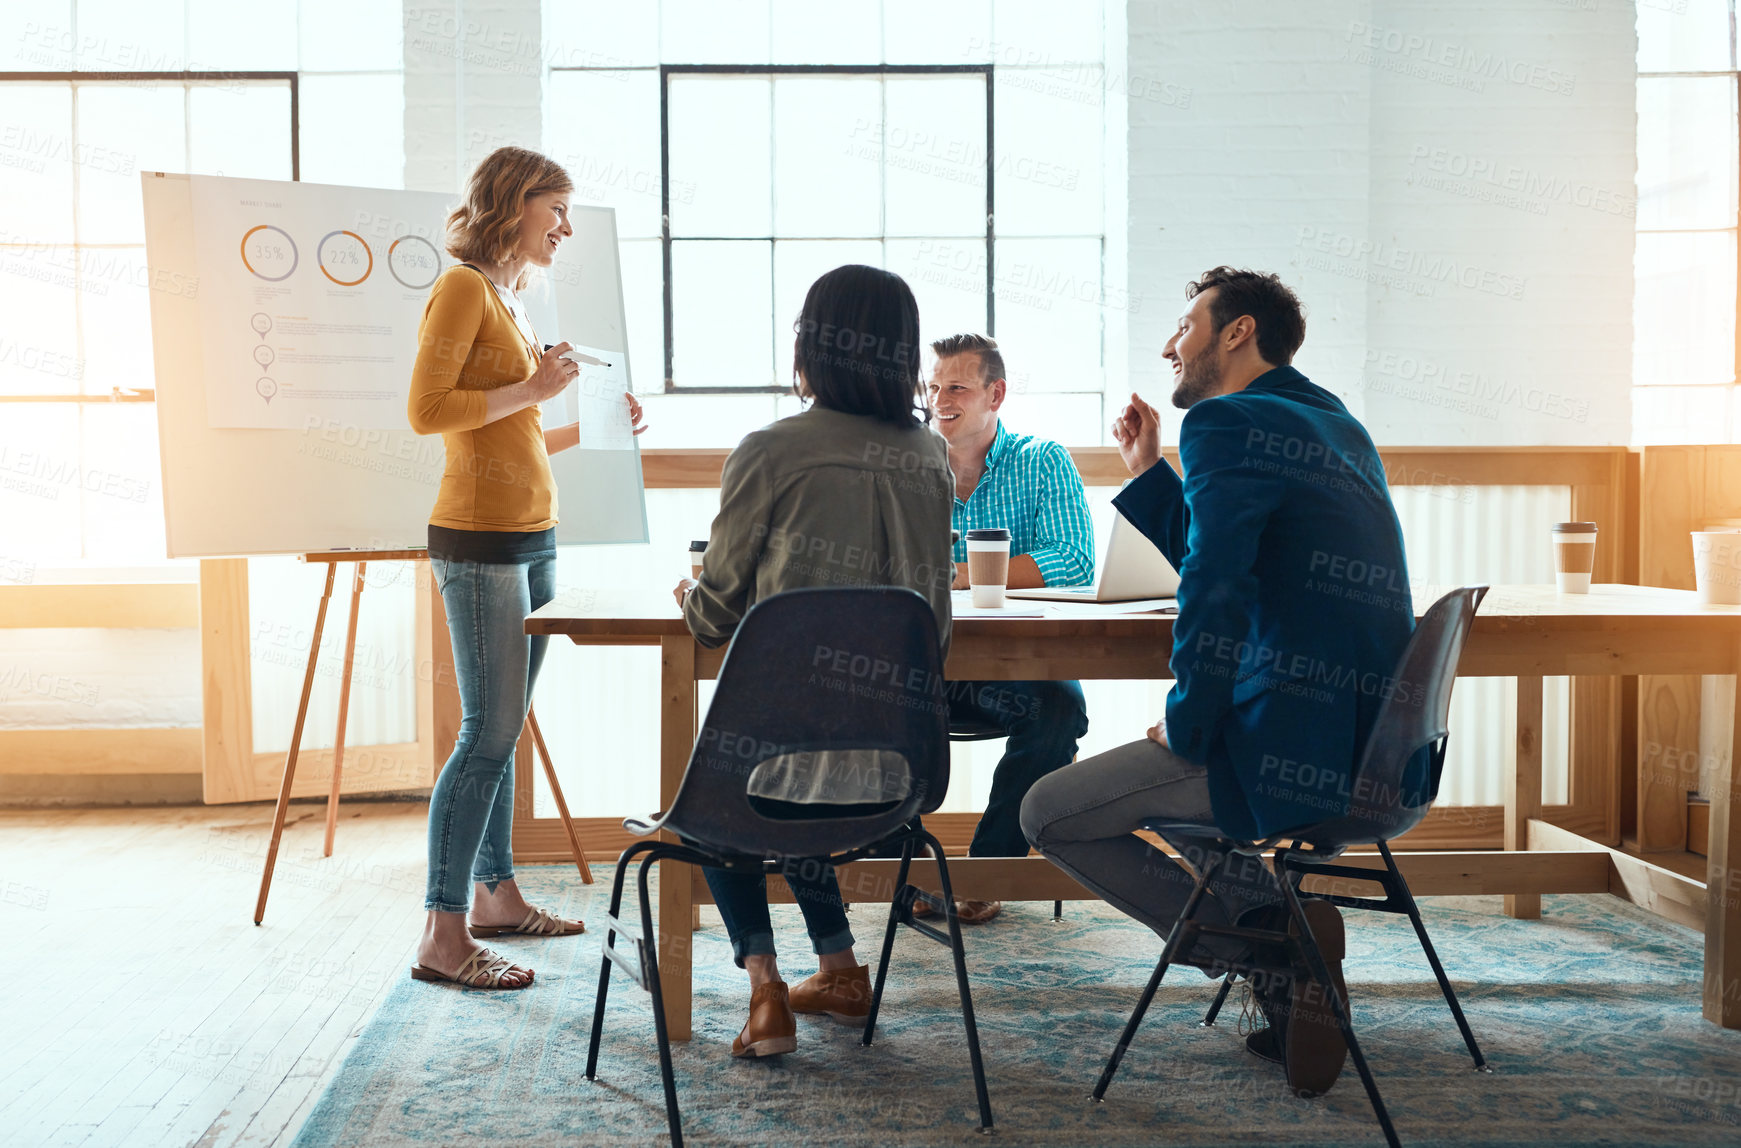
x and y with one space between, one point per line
97 260
1681 186
1658 400
1672 257
771 71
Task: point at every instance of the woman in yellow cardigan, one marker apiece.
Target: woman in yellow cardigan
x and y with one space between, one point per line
478 380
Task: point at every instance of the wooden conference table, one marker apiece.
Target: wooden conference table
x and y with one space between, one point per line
1526 632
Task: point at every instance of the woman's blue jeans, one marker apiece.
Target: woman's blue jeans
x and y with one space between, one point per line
743 906
471 812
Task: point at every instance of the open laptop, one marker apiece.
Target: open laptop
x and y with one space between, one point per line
1132 569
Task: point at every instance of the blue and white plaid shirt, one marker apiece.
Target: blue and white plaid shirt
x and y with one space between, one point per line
1030 488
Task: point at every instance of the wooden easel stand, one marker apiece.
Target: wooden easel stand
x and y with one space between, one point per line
331 559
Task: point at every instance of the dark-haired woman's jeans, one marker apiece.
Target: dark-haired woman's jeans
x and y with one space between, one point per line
743 905
742 896
471 812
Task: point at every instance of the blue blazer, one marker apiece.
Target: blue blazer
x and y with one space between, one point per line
1294 603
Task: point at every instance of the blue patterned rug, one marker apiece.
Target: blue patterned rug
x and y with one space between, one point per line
1590 1017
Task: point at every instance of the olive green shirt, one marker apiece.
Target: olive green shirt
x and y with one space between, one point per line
826 498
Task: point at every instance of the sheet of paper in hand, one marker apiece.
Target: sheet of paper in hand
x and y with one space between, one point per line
595 400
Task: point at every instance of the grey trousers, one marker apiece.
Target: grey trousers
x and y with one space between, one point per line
1083 818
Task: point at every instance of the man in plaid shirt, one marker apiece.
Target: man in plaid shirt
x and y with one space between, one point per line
1028 486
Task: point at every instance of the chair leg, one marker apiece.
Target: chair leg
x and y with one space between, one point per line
672 1116
870 1022
604 972
1320 972
1057 911
960 955
1168 951
1208 1020
1401 887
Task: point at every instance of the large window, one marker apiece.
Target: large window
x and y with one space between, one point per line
78 456
785 173
750 146
96 92
1684 357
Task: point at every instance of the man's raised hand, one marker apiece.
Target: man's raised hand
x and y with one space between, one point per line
1137 432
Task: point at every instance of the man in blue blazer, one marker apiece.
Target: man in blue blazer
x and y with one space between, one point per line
1294 608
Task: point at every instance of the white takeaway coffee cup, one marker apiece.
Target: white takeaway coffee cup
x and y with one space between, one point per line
1574 556
1717 566
988 566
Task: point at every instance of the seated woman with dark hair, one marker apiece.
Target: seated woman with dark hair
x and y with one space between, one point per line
854 491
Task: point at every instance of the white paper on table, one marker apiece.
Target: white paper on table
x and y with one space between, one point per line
595 400
961 606
1103 609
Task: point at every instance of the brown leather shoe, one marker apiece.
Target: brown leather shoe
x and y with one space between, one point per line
843 994
1313 1045
969 912
977 912
771 1029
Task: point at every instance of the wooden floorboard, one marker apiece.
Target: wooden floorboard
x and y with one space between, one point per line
342 1000
110 888
199 1004
304 993
175 1021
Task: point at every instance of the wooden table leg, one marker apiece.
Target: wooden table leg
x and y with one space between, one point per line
1723 891
677 696
295 745
1523 788
338 743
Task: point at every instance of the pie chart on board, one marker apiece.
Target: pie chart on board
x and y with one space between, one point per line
344 258
413 261
269 252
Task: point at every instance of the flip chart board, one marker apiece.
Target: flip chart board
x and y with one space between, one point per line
283 324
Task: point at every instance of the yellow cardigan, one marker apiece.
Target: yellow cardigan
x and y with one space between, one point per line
498 475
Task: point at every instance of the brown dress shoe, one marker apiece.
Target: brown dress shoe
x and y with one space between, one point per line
844 994
977 912
968 912
1313 1046
771 1029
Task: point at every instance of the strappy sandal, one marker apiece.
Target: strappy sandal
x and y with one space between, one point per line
538 923
484 969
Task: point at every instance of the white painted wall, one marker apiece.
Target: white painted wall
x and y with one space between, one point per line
474 81
1449 186
1274 138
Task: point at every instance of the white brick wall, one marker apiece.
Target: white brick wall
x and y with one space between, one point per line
1449 186
474 81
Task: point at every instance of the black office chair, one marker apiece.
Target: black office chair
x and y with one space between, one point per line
812 677
973 730
1414 716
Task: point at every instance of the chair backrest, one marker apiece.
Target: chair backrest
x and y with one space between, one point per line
1385 799
825 693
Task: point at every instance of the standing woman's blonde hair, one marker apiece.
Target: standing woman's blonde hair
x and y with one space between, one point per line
485 227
